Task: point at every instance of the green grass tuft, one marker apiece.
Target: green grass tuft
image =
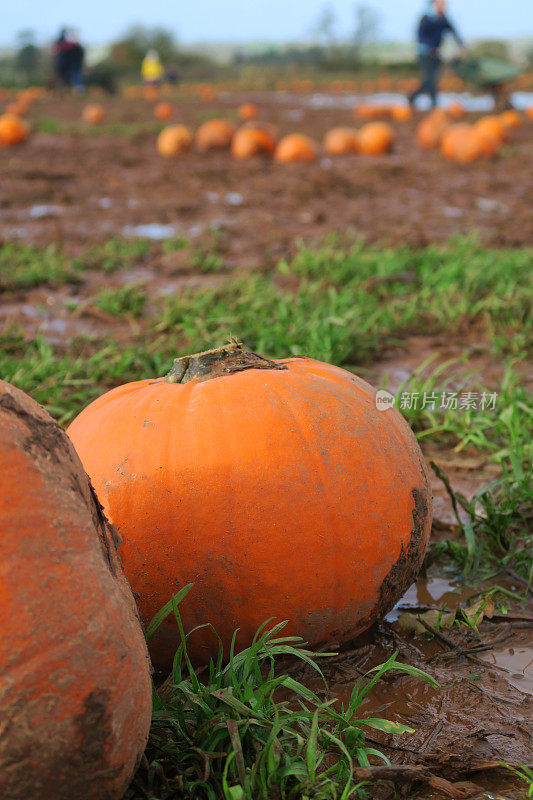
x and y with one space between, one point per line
243 730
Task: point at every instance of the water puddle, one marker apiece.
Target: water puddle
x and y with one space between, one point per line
516 659
152 230
477 103
40 212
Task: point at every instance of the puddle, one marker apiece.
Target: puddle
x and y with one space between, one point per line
234 198
477 103
38 212
153 230
516 659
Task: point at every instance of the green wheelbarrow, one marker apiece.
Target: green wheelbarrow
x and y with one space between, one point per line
489 75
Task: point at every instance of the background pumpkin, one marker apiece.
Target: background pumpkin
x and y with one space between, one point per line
93 114
249 142
13 130
295 147
215 134
163 111
75 694
247 111
430 131
174 140
278 489
340 141
375 138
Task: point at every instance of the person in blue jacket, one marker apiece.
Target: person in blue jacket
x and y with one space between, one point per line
432 29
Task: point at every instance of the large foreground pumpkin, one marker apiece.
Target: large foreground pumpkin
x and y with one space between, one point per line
75 696
277 487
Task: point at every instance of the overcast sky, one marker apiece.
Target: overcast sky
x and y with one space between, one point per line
99 21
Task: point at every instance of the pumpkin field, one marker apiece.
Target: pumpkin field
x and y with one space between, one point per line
336 595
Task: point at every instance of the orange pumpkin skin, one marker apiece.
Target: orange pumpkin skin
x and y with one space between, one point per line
401 113
93 114
13 130
529 112
461 142
456 110
247 111
295 147
511 119
215 134
163 111
375 138
75 694
493 124
279 492
250 142
489 142
341 141
430 131
174 140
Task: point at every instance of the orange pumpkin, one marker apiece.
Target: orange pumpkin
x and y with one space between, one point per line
215 134
493 124
369 111
174 140
276 486
295 147
249 142
529 112
13 130
93 114
489 142
151 93
430 131
75 693
511 119
456 110
17 108
375 138
401 113
163 111
461 143
206 92
340 141
247 111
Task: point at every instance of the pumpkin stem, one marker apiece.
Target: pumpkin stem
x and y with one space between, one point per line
217 363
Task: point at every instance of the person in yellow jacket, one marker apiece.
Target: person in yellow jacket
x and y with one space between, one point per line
151 68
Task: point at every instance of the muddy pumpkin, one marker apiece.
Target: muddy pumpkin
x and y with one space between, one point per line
163 111
375 138
93 114
277 487
341 141
75 694
13 130
296 147
174 140
215 134
250 142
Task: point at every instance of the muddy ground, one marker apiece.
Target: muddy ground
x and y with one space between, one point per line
78 190
98 187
